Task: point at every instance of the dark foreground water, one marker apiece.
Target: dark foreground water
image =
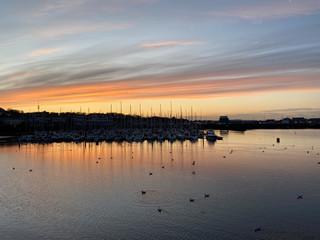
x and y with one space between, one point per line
253 181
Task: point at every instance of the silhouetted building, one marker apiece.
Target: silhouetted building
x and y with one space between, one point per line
299 120
224 119
270 121
286 121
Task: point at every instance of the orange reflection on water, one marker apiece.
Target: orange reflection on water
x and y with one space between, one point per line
249 176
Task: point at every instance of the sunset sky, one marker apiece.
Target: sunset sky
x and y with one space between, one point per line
249 59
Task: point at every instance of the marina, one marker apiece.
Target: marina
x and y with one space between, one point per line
117 136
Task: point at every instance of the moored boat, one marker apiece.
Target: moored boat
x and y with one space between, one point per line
211 136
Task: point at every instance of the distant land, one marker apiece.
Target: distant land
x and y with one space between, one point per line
15 122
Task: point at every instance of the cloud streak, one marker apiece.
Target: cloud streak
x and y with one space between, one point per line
272 10
106 65
44 52
168 43
72 28
196 86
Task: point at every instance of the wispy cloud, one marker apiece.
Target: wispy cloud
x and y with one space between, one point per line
85 7
44 52
109 74
168 43
78 28
21 75
196 86
272 10
57 5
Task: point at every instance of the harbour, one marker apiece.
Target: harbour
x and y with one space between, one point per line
149 119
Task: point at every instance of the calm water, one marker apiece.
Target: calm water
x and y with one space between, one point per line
70 196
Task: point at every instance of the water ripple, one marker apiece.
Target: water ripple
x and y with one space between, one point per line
153 198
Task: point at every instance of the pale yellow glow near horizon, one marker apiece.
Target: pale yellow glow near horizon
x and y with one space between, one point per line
203 93
211 108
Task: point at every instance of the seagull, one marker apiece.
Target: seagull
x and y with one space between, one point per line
191 200
206 195
143 192
258 229
300 197
194 163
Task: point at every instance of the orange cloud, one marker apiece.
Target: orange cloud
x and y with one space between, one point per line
21 75
44 51
195 86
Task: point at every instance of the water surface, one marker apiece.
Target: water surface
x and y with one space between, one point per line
91 191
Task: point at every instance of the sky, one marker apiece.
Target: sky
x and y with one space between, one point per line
249 59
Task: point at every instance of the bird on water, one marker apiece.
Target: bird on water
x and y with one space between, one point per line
258 229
